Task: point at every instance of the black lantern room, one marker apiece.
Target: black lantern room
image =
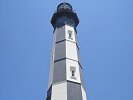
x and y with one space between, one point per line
64 15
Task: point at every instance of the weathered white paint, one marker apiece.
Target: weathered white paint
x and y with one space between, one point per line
71 50
59 91
65 49
67 27
83 93
70 63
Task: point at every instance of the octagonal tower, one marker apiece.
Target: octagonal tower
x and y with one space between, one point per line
65 79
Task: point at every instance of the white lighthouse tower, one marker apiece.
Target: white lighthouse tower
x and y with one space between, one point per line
65 81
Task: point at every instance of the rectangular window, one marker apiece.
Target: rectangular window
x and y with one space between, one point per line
70 34
73 71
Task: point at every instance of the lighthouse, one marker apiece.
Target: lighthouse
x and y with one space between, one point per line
65 79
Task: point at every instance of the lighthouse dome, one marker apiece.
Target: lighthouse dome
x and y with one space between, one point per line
64 6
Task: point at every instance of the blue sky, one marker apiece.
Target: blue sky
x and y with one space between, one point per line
105 38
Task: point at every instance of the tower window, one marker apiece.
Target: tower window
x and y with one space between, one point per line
73 73
70 34
73 70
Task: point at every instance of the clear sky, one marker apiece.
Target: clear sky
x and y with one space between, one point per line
105 38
